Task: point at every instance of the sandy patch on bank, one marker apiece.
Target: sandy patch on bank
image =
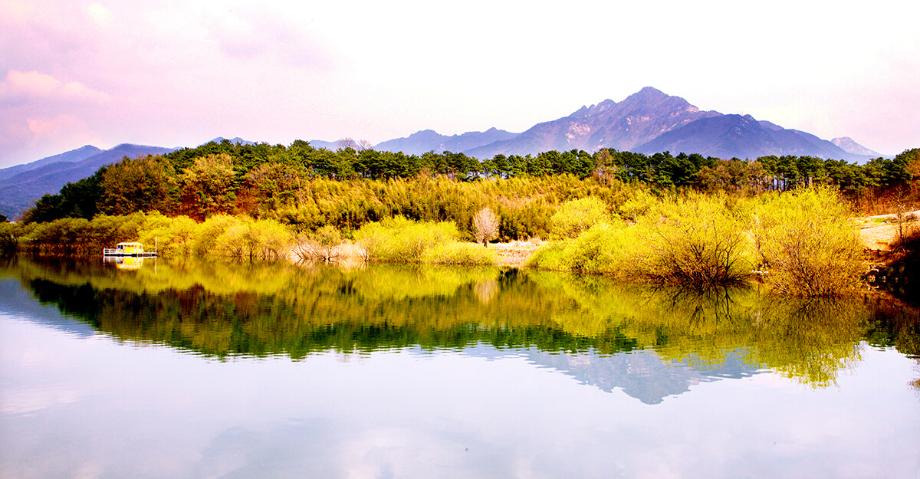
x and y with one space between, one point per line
880 232
515 253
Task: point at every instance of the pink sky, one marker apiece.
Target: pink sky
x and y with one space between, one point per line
177 73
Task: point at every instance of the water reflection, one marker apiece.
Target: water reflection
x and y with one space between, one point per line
648 343
127 263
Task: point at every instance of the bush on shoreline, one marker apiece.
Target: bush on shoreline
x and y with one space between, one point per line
399 240
219 237
804 241
698 241
616 250
807 243
575 216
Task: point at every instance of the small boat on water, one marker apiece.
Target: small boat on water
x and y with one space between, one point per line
128 248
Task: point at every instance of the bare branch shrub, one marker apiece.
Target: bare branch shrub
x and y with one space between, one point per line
485 226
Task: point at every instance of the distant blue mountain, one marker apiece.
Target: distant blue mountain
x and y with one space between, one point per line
737 136
429 140
235 140
849 145
340 144
71 156
20 190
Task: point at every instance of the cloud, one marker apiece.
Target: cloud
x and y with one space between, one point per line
36 134
56 126
99 14
179 72
256 36
28 86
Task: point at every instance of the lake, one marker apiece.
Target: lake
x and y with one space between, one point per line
207 370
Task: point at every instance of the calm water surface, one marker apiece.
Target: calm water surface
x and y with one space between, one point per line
216 371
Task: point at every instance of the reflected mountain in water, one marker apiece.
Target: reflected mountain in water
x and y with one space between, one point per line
648 343
641 374
20 303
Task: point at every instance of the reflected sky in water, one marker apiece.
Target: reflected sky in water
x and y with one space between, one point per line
382 373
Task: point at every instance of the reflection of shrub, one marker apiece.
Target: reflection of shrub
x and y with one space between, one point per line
460 254
576 216
398 240
903 274
808 243
397 282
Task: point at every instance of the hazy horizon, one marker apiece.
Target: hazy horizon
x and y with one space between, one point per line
179 73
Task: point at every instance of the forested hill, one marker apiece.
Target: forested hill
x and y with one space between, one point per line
21 185
273 180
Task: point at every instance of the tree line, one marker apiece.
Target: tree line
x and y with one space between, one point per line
309 187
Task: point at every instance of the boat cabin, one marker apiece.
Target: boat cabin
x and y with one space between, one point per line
129 247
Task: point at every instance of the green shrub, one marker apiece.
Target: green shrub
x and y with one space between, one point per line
398 240
8 238
550 256
610 249
807 243
171 237
639 204
616 250
698 241
254 240
78 236
467 254
209 230
576 216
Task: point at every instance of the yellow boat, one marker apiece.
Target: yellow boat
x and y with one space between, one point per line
128 248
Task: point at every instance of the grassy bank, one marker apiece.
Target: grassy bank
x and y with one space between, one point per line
799 243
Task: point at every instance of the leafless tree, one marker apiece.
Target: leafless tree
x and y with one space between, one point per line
485 226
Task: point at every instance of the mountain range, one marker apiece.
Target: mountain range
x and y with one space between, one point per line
21 185
849 145
647 121
430 140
